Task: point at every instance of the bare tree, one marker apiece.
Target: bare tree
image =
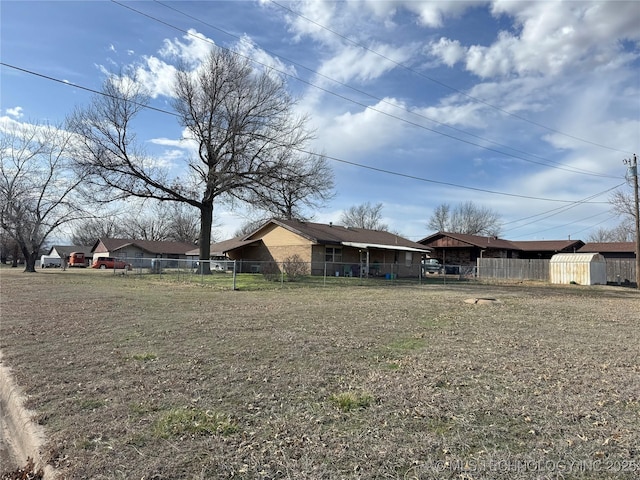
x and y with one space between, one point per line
622 232
158 222
440 219
303 181
365 215
87 232
467 218
623 204
37 186
238 120
184 224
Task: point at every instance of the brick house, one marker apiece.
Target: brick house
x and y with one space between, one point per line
463 249
330 249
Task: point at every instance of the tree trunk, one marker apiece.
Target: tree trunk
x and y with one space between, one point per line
206 221
30 259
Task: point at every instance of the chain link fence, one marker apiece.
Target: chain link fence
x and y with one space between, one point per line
244 274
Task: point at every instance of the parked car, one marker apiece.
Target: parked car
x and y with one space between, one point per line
110 262
431 265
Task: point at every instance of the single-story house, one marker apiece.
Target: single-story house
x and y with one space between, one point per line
329 249
611 249
545 249
463 249
62 251
140 252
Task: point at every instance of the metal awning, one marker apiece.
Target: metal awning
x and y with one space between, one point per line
385 247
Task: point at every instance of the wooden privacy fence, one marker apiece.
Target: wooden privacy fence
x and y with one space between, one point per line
513 269
619 270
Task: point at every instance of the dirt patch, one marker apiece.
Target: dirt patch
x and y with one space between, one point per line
133 378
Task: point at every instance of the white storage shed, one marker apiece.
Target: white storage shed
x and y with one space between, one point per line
580 268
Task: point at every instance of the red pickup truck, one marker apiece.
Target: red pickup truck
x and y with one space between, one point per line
109 262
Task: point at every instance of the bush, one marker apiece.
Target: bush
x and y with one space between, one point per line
270 271
295 268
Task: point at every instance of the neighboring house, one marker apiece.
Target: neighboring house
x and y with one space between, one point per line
611 249
545 249
463 249
140 252
64 251
329 249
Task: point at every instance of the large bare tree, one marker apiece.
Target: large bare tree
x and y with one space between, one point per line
467 217
238 119
303 182
365 215
37 185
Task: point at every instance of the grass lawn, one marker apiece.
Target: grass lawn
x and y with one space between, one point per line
137 377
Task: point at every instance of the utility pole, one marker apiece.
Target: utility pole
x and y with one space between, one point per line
633 172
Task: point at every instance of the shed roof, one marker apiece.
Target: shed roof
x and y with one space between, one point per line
577 258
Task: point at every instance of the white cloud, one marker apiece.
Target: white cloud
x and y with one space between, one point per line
364 65
15 112
364 131
156 76
195 48
549 39
449 51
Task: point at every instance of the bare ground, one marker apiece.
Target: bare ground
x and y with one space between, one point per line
137 378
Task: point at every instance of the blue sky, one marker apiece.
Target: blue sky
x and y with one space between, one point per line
528 108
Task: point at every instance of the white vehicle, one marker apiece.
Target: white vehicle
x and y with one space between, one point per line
47 261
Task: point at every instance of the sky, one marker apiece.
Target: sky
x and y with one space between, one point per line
526 108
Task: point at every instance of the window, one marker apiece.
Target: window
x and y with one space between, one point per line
332 254
408 258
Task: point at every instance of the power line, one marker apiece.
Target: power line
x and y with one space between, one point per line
69 84
549 163
336 159
558 210
438 82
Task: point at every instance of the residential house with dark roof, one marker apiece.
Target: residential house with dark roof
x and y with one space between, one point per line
611 249
463 249
139 252
327 248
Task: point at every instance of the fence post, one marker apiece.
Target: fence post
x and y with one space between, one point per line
234 276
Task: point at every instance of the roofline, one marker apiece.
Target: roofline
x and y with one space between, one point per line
385 247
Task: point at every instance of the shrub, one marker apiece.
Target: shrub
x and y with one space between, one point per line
295 268
270 271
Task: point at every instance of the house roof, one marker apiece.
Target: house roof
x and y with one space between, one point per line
609 247
323 234
220 248
156 247
67 249
548 245
502 244
473 240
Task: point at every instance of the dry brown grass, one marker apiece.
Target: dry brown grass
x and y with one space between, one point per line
134 378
